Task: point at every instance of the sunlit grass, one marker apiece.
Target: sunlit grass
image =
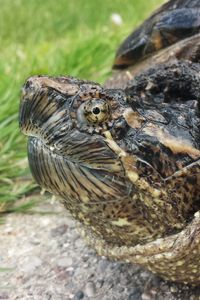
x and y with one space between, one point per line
51 37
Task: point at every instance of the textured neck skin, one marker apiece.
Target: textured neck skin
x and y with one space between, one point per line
175 257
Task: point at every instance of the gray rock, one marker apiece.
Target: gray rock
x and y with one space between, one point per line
59 231
64 262
135 294
90 289
78 295
102 265
31 263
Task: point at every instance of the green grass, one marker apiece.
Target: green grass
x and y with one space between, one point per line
51 37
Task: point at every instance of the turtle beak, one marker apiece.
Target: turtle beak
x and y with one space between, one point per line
44 107
28 96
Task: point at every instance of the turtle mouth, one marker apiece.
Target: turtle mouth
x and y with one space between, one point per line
74 180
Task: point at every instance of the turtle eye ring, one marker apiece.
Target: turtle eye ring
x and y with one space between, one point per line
94 111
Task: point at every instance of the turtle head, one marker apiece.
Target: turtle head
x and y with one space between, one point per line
71 117
72 125
107 153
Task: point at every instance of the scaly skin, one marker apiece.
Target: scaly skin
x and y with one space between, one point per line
125 162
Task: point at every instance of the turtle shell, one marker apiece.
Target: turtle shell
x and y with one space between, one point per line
174 21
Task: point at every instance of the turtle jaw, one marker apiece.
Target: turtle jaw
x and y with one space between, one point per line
87 189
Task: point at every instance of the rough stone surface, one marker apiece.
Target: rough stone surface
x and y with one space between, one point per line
44 258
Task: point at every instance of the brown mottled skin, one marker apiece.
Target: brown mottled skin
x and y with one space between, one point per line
126 162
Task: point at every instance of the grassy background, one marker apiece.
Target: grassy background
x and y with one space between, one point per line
51 37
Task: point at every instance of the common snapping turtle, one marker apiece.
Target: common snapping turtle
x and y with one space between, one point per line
125 158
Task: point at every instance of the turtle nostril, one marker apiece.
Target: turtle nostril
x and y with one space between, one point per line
27 88
28 84
31 86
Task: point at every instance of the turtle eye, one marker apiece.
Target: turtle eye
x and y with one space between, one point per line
95 111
